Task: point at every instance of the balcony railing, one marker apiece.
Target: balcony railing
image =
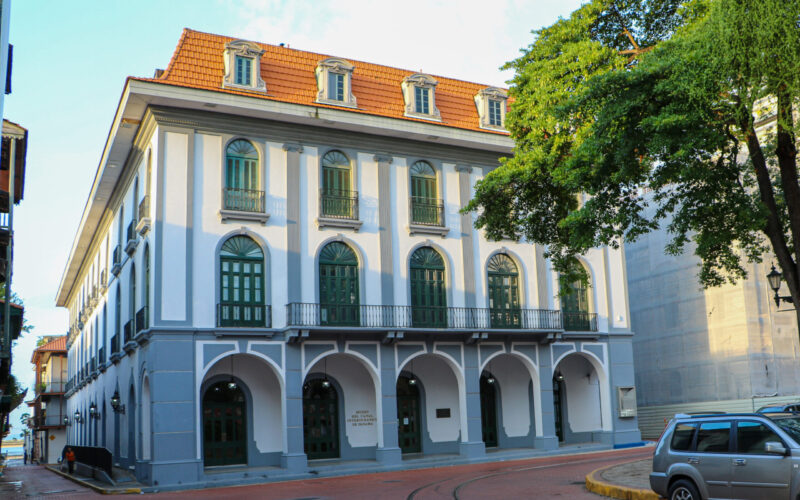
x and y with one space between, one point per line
117 260
243 200
128 331
115 347
426 211
142 319
236 314
580 321
130 244
70 384
338 203
56 420
52 387
467 318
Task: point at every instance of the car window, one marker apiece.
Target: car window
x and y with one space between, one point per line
713 437
752 437
791 426
682 437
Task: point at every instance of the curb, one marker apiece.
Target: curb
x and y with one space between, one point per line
596 484
104 491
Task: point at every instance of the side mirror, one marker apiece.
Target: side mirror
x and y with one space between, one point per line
775 448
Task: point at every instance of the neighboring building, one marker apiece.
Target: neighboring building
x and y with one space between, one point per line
49 406
272 269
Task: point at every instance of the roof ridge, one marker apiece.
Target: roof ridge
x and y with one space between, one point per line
413 72
168 71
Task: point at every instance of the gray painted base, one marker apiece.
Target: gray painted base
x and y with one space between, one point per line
294 463
389 456
546 443
474 449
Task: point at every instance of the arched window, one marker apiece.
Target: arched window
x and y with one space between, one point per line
115 343
426 207
241 275
428 289
338 285
146 299
504 309
575 304
337 199
130 326
242 189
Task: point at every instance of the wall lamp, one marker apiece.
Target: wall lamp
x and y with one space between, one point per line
66 420
774 278
115 404
93 413
78 418
559 377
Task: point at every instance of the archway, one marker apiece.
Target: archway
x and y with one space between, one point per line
580 398
224 425
510 401
442 397
262 425
340 408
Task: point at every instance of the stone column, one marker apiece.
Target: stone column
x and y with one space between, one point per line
293 220
473 446
294 457
467 247
385 227
548 440
389 453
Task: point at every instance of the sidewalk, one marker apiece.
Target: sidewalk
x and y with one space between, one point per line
35 481
629 481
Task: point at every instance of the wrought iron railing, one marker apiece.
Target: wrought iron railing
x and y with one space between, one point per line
338 203
580 321
131 233
52 386
117 260
243 200
128 331
142 319
239 315
426 211
308 314
115 347
70 384
56 420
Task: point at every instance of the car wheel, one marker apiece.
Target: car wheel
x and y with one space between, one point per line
683 490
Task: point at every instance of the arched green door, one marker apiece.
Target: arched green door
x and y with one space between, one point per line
489 409
558 410
575 305
224 425
428 289
241 283
320 420
409 415
504 309
242 189
337 196
338 285
424 195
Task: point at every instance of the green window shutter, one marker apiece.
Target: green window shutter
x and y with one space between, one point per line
338 285
337 199
575 305
241 283
425 205
428 289
504 306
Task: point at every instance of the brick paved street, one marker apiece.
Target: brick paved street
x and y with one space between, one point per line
551 477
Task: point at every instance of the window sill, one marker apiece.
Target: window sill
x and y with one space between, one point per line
130 246
333 102
353 224
116 268
423 116
130 346
425 229
115 357
143 226
226 215
260 89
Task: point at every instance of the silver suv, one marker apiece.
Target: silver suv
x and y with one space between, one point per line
742 455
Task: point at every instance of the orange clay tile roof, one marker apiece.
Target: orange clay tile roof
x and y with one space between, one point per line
289 76
57 344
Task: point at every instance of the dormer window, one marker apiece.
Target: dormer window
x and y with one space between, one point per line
491 104
419 93
334 78
242 66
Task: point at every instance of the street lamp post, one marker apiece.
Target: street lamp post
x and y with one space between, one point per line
774 278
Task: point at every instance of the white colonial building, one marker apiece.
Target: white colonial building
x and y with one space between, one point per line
272 269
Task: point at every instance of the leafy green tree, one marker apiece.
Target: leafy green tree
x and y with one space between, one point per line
632 113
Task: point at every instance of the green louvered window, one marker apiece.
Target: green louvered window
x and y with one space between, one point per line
244 70
242 188
426 207
338 285
241 283
575 305
337 197
428 289
504 308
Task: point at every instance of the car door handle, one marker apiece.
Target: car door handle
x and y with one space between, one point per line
693 460
739 461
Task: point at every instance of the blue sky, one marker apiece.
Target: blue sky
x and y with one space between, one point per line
71 60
